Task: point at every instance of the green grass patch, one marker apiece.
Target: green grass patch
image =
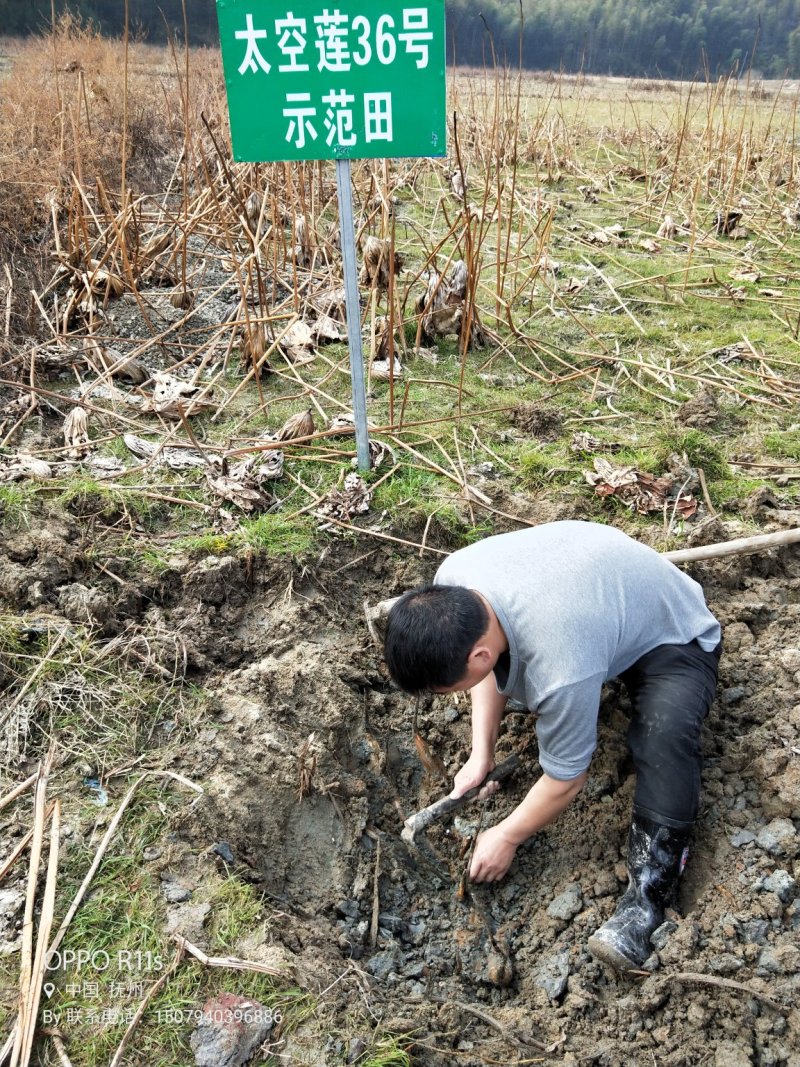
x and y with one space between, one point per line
543 466
700 450
783 445
16 500
117 448
275 534
417 497
204 544
237 911
731 494
387 1052
409 491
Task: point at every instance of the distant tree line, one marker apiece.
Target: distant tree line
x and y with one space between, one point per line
646 38
148 19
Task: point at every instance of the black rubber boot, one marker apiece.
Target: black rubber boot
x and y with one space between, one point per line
656 857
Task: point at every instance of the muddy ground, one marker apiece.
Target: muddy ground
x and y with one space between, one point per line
288 660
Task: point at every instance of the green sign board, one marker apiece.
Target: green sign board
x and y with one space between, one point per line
320 79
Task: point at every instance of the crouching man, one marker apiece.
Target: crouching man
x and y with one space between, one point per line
545 616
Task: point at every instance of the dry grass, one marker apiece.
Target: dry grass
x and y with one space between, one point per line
65 111
100 702
571 233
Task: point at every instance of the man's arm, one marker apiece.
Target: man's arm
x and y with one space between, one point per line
496 847
567 733
487 710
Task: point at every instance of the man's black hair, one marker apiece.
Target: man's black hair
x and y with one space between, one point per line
430 633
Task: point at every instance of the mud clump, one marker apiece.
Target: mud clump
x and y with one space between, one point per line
545 423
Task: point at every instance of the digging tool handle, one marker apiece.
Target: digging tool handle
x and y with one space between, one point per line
416 824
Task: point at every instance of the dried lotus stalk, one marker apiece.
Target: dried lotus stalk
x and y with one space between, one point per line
76 433
377 257
299 425
254 342
303 250
156 245
101 280
182 299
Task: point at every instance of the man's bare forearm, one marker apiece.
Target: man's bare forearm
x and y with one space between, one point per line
487 711
544 803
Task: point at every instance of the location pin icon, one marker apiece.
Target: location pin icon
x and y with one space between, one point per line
48 988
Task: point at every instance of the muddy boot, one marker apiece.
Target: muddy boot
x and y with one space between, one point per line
656 856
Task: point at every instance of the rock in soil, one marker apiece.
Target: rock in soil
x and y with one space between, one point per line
231 1030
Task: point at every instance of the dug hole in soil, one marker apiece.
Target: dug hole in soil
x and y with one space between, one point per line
302 705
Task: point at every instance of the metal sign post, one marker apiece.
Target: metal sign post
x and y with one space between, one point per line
348 241
363 79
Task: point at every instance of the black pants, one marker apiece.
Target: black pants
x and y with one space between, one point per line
671 689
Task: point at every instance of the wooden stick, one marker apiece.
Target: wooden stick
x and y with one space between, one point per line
727 983
741 546
61 1051
15 792
232 962
5 1051
376 898
42 937
711 509
26 954
9 300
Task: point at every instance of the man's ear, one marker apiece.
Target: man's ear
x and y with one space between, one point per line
481 656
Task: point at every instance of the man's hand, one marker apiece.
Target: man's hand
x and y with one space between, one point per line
472 773
493 855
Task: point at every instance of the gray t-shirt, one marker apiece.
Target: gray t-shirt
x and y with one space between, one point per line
579 603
